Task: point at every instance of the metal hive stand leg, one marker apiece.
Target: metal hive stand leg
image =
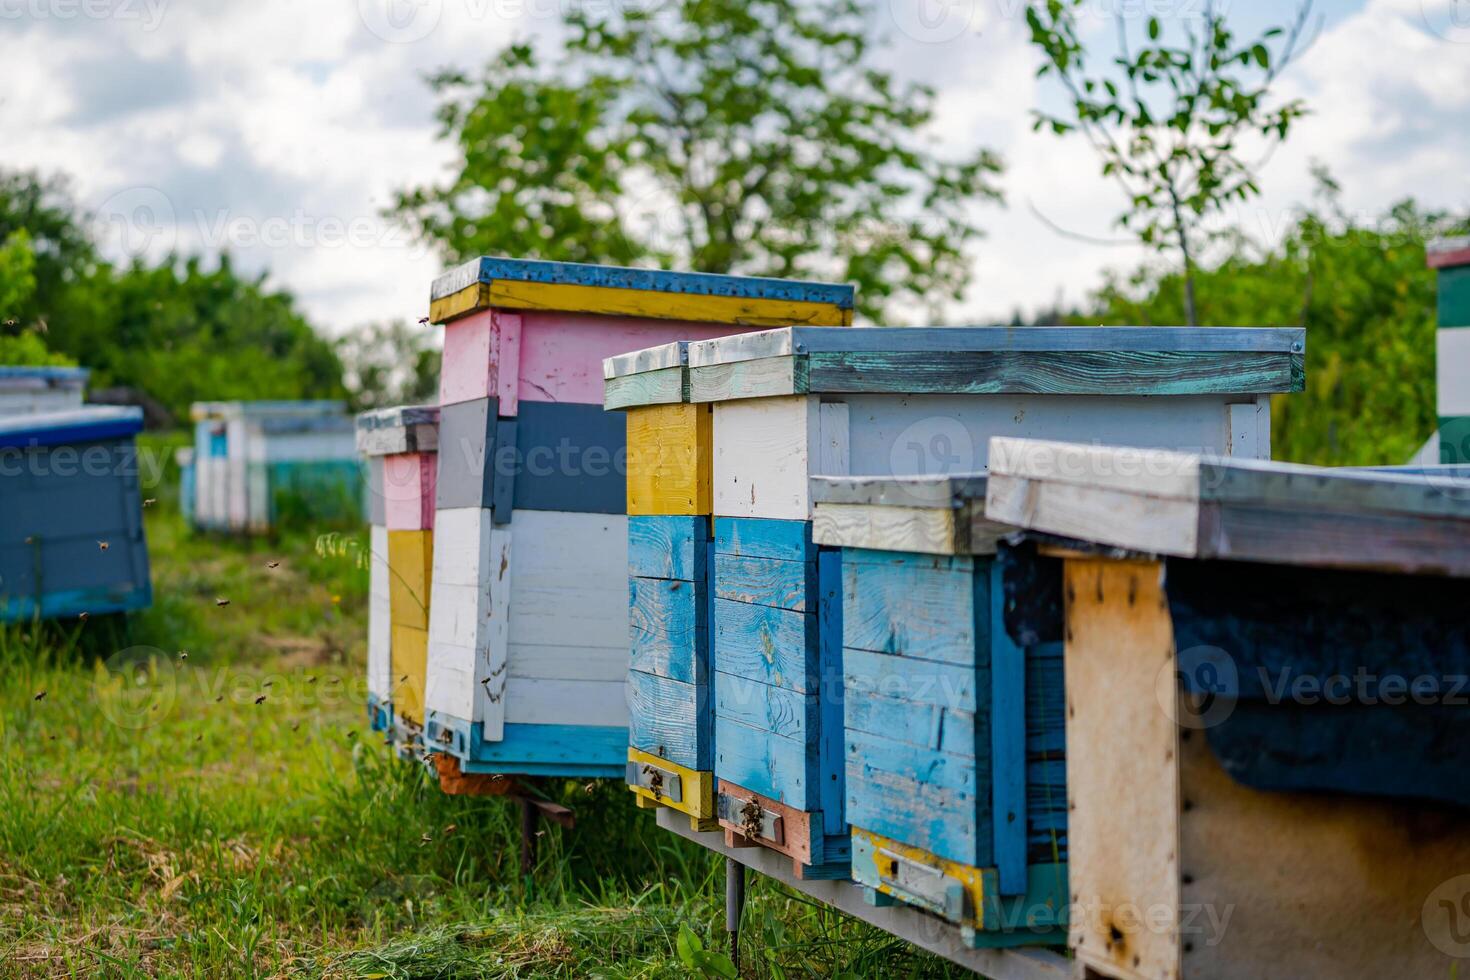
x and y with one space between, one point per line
734 906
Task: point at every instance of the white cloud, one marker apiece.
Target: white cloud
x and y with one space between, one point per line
280 129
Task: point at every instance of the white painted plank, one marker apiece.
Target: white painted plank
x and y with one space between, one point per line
469 620
379 667
762 449
237 508
1245 431
1100 513
929 530
1452 371
569 606
1155 472
834 456
563 702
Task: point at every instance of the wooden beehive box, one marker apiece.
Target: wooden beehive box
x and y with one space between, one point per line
796 403
952 732
31 390
1265 671
400 446
258 463
71 534
528 648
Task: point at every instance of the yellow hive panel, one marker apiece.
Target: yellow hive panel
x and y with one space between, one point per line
669 454
972 878
409 653
410 558
698 786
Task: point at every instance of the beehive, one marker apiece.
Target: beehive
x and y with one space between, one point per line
1265 707
1452 260
71 534
31 390
528 633
952 731
257 463
796 403
401 447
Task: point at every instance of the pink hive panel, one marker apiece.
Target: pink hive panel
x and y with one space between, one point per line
408 491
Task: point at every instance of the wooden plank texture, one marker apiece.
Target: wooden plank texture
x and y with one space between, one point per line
1058 373
668 546
773 646
669 460
671 719
669 629
762 457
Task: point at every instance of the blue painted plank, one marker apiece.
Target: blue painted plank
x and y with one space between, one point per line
668 547
911 609
90 423
919 681
932 768
831 752
668 631
69 603
773 646
754 537
767 581
941 820
488 269
924 726
670 719
780 768
766 707
1007 732
570 750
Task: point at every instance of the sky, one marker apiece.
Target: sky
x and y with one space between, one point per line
279 129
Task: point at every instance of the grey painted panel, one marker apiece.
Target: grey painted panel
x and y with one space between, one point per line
467 451
899 491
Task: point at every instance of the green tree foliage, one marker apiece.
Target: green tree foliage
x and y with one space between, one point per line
20 341
61 250
1367 300
177 331
184 333
733 136
390 364
1168 120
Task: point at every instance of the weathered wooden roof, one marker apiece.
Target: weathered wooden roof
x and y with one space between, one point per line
999 360
86 424
942 515
576 287
400 429
1193 506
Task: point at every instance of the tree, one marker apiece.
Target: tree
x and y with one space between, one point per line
1370 334
182 333
1169 123
731 136
389 364
61 250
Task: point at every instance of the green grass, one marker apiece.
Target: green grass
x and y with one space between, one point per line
155 820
